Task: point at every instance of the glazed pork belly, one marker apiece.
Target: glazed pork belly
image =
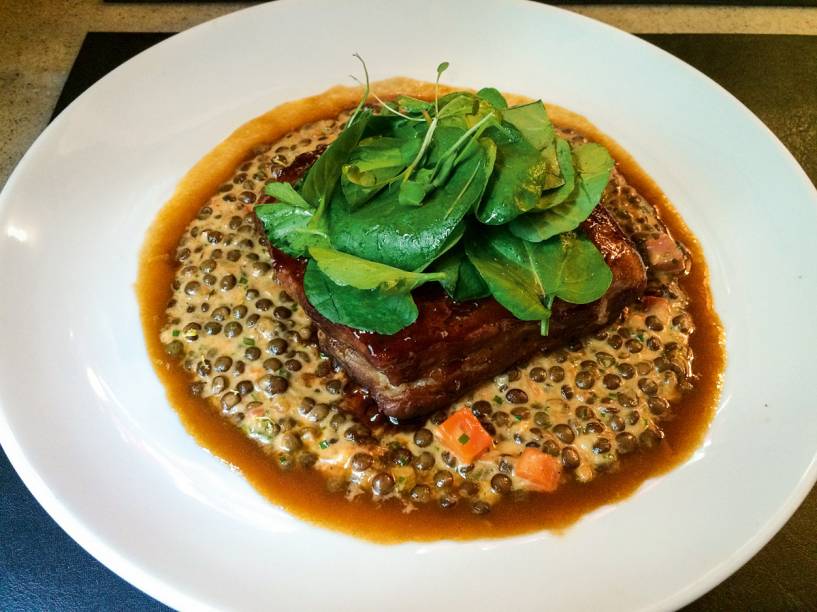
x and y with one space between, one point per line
454 346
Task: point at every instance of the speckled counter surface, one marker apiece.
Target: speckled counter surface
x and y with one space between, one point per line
41 568
39 40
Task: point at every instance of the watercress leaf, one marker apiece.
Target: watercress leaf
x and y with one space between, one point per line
532 122
374 163
383 124
345 269
516 183
458 106
377 154
452 242
321 179
412 192
553 176
593 165
570 267
493 97
443 100
503 263
373 310
409 105
461 280
285 193
564 164
410 237
287 227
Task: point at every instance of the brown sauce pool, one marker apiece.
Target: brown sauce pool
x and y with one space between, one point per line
304 492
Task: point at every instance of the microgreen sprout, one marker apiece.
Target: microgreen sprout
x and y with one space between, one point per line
365 97
422 151
367 91
440 69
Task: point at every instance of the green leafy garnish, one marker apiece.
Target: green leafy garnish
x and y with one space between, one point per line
463 439
532 122
526 277
288 228
593 166
461 279
484 198
493 97
370 310
284 192
359 273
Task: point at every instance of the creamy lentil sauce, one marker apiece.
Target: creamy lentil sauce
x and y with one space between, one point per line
239 361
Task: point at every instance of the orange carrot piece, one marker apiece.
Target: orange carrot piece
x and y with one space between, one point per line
462 434
540 469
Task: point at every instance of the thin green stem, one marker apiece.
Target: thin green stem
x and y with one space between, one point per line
365 97
423 147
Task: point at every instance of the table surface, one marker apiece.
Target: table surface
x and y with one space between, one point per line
42 568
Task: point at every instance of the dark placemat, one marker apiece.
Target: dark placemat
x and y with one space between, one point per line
42 568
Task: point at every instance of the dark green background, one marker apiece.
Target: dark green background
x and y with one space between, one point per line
41 568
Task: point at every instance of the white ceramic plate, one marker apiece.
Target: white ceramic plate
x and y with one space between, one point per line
85 421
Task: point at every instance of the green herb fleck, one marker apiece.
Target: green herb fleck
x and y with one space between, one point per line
463 439
497 400
324 444
243 280
176 333
248 341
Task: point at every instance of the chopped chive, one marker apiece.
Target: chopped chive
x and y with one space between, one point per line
463 439
176 332
497 399
518 417
243 280
324 444
248 342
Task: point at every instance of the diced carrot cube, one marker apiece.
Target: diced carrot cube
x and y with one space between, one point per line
540 469
462 434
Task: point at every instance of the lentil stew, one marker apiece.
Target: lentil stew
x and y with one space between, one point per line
241 366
